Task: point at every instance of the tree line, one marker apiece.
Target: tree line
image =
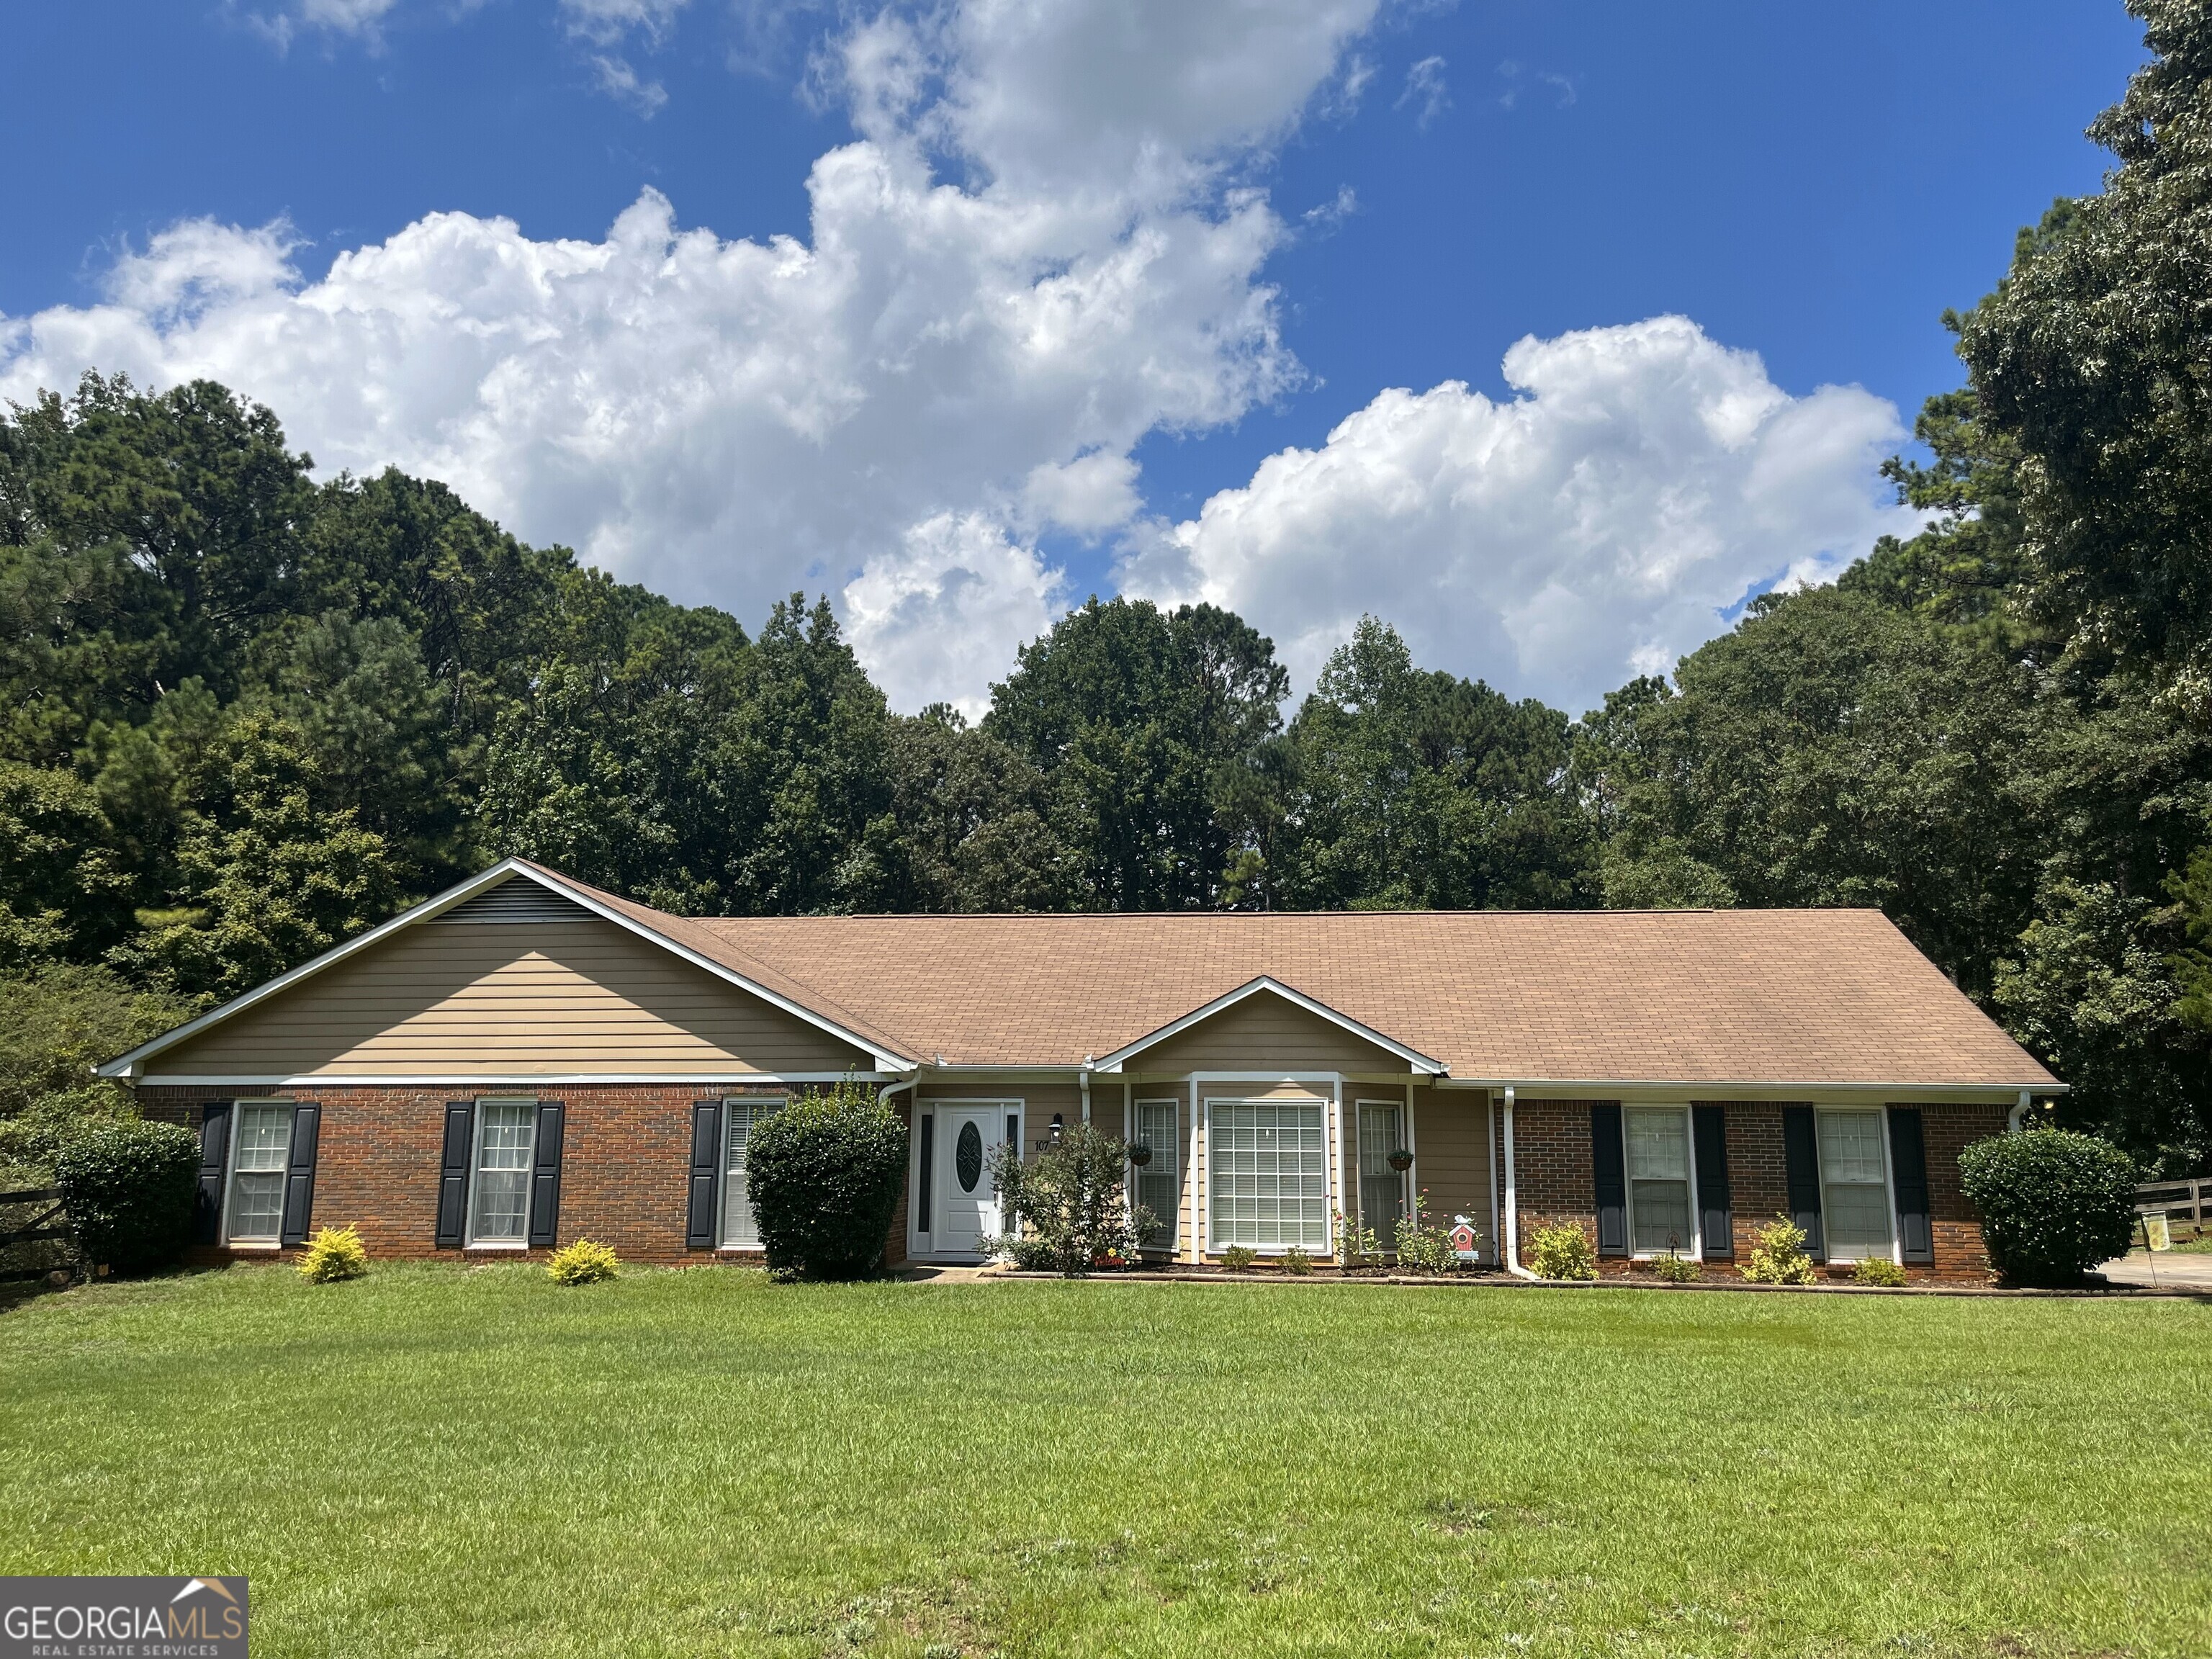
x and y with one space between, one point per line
244 715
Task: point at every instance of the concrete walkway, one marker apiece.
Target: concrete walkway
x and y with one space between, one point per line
2170 1270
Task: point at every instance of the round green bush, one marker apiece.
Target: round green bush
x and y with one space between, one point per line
2053 1203
825 1176
127 1188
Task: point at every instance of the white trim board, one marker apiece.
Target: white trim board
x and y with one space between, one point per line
1787 1091
132 1064
1412 1057
496 1079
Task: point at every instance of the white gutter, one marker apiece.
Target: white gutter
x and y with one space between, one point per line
1512 1202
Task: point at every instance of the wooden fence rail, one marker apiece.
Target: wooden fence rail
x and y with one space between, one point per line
47 1225
2176 1200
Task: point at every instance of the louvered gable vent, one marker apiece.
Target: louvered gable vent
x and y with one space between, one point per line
518 899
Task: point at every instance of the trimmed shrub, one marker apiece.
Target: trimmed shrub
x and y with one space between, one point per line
825 1175
1025 1256
1676 1268
1878 1270
1779 1257
127 1185
2054 1204
584 1262
1240 1258
1071 1198
1297 1263
333 1254
1561 1252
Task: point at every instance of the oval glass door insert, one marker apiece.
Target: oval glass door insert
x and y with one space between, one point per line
967 1156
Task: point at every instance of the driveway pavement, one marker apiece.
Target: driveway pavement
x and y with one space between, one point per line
2168 1270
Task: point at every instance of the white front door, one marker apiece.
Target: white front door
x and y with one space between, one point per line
967 1207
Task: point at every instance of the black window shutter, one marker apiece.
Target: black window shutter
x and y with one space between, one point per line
1908 1164
928 1160
300 1178
1610 1166
545 1176
1716 1209
215 1153
1801 1158
453 1175
706 1165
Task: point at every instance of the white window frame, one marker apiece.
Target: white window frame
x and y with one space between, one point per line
1693 1247
754 1104
1403 1178
1330 1157
1170 1240
1881 1115
230 1173
469 1238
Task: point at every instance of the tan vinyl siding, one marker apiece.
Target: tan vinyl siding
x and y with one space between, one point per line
1452 1155
555 997
1264 1033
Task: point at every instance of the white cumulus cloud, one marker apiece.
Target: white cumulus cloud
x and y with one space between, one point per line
1037 251
1608 519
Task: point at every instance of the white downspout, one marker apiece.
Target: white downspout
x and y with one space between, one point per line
2013 1117
1512 1201
1197 1219
1083 1076
1490 1158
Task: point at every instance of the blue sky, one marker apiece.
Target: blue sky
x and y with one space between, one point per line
1810 184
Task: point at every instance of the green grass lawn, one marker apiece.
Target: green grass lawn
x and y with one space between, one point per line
438 1462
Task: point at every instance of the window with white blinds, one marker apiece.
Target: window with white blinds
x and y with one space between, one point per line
498 1199
1382 1188
1855 1211
262 1148
740 1225
1158 1184
1266 1174
1659 1179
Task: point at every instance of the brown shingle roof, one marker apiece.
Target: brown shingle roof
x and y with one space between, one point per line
1685 996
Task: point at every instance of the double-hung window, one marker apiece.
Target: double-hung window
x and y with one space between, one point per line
1855 1206
499 1198
262 1148
1659 1197
1159 1183
740 1225
1382 1188
1267 1164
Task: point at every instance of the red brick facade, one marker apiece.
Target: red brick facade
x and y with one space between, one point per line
625 1165
1555 1181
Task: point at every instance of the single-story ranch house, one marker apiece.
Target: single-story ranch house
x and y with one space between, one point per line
525 1059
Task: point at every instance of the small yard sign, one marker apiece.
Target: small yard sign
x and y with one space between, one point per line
2157 1235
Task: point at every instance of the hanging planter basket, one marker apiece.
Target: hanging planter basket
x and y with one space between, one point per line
1401 1160
1140 1154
